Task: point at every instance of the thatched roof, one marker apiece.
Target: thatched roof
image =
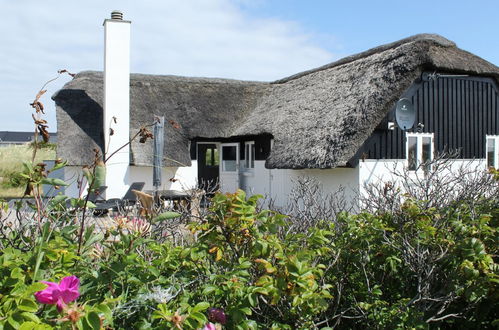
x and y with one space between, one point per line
318 118
202 107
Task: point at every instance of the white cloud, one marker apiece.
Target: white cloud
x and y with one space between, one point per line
213 38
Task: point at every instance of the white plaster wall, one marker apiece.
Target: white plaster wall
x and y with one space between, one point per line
186 177
470 164
373 171
277 183
255 181
381 171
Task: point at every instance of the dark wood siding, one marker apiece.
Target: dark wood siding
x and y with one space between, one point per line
460 111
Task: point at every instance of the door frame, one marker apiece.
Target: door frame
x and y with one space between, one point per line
217 144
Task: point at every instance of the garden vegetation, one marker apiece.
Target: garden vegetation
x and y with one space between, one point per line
416 267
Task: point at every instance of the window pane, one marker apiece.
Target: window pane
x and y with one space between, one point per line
209 157
427 156
412 152
216 157
229 158
490 153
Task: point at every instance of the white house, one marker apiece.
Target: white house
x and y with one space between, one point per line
335 123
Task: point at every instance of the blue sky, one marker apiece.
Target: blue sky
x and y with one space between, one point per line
355 26
240 39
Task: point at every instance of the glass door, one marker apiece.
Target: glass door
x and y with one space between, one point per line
229 167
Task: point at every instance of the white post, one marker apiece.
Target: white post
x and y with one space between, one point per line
117 103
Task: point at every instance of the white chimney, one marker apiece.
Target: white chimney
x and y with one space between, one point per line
117 103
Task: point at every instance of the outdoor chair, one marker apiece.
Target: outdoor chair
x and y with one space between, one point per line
94 197
116 203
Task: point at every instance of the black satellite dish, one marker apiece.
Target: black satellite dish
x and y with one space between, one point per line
405 114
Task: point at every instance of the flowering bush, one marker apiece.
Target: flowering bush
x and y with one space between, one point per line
242 269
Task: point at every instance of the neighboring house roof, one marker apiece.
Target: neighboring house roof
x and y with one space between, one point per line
15 137
318 118
19 137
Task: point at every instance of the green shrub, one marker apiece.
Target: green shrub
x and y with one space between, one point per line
414 268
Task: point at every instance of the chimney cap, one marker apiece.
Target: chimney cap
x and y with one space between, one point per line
116 14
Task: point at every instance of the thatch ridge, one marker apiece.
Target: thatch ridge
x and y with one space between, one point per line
428 37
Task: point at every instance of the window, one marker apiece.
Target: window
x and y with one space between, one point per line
492 151
229 158
212 158
419 150
249 154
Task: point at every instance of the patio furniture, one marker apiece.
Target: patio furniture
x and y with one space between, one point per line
115 203
176 197
94 197
188 202
97 195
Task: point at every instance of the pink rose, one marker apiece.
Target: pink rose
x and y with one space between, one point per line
59 294
210 326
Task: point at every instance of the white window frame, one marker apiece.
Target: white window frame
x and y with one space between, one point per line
419 150
249 155
495 138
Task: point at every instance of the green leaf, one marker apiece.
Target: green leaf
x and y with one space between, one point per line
100 175
154 271
104 309
202 306
54 182
377 291
13 323
253 299
91 205
31 317
28 326
28 305
166 216
90 238
57 200
59 166
93 321
246 310
209 289
200 317
251 325
28 167
17 273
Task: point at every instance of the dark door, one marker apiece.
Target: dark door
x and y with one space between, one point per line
208 166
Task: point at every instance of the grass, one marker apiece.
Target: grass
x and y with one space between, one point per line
11 162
